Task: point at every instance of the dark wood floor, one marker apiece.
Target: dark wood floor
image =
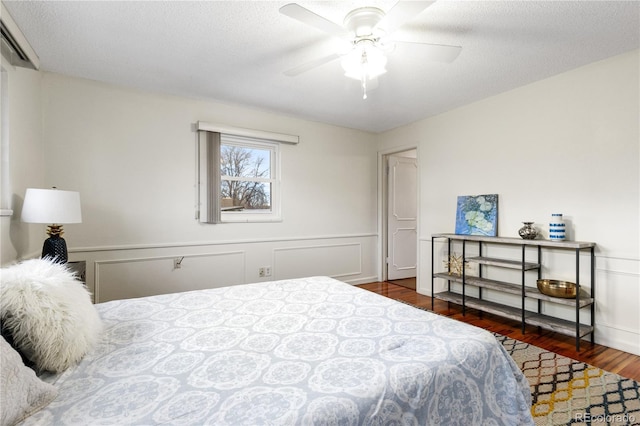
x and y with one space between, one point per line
603 357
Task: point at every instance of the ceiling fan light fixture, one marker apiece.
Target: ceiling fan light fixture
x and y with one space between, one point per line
364 63
368 61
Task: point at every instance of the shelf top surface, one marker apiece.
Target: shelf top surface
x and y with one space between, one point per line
518 241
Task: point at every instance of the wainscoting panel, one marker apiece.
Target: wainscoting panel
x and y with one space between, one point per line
335 260
137 277
135 271
617 301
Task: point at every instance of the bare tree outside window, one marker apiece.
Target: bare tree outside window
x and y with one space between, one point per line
245 178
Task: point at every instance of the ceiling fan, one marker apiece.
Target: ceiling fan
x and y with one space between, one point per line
368 32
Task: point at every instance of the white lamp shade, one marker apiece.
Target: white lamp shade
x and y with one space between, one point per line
51 206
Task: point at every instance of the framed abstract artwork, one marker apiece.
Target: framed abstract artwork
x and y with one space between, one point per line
477 215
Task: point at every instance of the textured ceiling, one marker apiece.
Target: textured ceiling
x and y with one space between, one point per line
236 51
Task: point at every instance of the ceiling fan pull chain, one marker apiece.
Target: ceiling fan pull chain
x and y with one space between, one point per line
365 72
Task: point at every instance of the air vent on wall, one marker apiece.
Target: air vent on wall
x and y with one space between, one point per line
15 47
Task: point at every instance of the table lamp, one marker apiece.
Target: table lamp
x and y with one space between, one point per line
54 207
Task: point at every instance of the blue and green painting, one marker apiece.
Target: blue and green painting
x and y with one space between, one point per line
477 215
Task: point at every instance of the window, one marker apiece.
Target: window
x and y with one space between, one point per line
248 185
238 179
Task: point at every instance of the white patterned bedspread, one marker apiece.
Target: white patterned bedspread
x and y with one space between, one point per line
305 351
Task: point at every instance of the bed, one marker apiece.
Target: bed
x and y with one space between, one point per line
311 351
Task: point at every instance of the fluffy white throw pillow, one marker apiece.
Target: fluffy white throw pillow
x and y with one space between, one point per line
22 393
48 313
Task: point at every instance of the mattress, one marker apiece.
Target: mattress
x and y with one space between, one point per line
312 351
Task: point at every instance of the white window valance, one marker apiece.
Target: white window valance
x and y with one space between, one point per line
249 133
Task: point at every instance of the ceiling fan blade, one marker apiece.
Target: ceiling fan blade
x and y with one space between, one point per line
292 72
436 52
401 13
306 16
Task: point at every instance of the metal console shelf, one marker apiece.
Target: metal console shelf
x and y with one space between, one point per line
569 328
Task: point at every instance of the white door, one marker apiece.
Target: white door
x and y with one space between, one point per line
402 236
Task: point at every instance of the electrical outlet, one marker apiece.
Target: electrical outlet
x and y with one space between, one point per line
265 271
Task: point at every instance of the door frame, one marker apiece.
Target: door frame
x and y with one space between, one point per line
383 204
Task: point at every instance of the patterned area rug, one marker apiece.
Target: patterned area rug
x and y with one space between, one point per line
566 392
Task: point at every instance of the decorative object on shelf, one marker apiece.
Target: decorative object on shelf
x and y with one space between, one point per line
454 264
477 215
55 207
528 232
557 230
557 288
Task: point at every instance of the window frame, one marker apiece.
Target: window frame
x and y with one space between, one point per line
274 215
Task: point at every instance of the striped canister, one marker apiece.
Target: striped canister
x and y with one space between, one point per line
556 227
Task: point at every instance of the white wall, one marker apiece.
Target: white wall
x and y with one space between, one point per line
568 144
26 161
132 157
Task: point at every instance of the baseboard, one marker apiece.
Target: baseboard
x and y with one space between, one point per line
364 280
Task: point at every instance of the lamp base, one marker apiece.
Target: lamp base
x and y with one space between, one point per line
55 248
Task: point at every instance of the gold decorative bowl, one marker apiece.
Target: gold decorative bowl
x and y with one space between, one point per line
556 288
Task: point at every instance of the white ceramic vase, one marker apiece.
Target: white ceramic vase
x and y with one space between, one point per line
557 230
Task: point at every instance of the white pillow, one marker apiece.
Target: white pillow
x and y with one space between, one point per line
48 313
22 393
